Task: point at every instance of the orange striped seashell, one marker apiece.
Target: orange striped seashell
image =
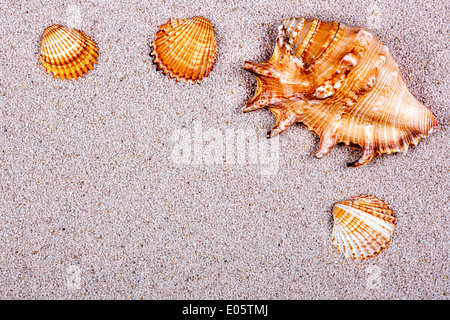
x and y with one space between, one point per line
342 83
185 49
67 53
363 226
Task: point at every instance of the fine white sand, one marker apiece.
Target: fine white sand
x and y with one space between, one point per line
110 187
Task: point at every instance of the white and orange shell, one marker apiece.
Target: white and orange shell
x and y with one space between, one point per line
363 226
342 83
67 53
186 49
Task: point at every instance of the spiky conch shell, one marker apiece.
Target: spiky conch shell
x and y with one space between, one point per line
363 226
185 49
66 52
342 83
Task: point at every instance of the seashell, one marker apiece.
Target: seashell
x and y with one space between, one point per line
185 48
342 83
363 226
66 52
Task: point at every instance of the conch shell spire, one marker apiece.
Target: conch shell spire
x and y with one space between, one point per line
342 83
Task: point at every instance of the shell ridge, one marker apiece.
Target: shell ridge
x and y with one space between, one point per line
176 39
67 53
187 53
365 230
346 243
327 47
172 30
72 53
341 241
363 247
378 229
369 201
214 53
209 56
300 47
52 48
330 49
206 58
378 224
78 64
353 245
183 49
201 72
288 30
366 216
59 45
316 25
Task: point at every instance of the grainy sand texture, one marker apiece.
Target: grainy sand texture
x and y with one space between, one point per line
126 184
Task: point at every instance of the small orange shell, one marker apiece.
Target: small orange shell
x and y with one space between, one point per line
363 226
185 48
66 52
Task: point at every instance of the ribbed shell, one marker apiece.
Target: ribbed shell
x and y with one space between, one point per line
66 52
342 83
363 226
185 48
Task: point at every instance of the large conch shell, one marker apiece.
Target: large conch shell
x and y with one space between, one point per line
66 52
342 83
363 226
185 49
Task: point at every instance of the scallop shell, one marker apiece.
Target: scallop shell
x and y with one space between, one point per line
66 52
363 226
342 83
185 48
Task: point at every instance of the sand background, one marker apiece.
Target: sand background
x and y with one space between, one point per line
94 204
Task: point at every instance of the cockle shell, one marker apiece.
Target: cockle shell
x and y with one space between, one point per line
185 48
342 83
363 226
66 52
